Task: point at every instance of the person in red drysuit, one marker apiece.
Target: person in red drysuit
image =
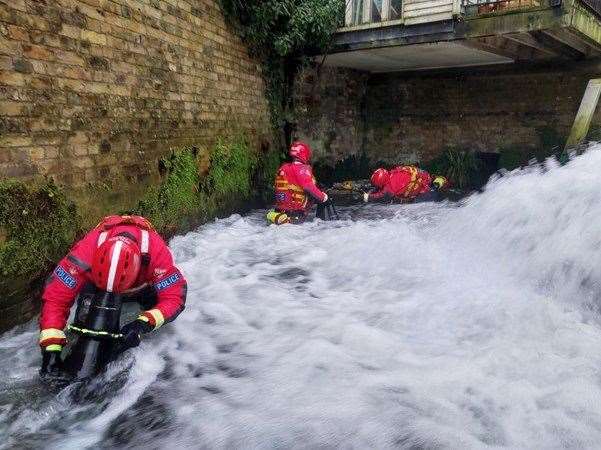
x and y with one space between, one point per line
295 187
123 255
405 183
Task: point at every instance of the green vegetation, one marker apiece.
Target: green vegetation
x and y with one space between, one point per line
278 32
264 175
232 165
460 166
37 226
237 178
175 203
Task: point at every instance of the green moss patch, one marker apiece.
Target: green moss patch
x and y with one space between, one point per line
175 203
459 165
237 178
38 225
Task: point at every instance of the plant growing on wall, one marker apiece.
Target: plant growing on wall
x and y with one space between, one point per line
279 32
176 200
37 225
460 166
236 178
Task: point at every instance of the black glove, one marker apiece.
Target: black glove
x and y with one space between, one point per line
131 333
51 363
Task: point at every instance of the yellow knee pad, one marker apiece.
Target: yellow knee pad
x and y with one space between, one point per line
277 218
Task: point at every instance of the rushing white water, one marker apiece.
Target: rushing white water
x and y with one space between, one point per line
423 326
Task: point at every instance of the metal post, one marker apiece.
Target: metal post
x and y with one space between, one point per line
588 105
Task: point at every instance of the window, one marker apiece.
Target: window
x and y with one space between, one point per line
376 10
357 12
395 9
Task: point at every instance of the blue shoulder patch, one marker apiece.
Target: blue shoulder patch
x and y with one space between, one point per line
64 276
166 282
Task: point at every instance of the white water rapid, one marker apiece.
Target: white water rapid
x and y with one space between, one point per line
429 326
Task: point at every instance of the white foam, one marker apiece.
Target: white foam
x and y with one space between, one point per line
429 326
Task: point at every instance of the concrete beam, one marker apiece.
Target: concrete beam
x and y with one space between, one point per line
509 48
393 35
548 40
519 21
586 25
563 35
482 45
529 41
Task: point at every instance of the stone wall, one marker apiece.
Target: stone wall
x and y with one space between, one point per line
94 90
405 117
329 104
415 116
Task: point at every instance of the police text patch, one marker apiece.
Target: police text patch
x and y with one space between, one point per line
164 284
64 276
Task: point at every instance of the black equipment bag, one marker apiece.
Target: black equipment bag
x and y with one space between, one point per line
96 329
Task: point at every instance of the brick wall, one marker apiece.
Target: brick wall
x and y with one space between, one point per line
96 89
413 117
401 117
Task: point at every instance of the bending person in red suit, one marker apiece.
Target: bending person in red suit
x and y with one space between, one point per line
123 255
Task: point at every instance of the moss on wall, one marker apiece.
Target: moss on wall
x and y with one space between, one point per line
237 178
175 203
38 224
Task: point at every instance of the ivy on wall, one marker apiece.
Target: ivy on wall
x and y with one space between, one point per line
280 33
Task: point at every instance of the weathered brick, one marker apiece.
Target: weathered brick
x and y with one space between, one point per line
9 47
71 31
6 63
18 33
22 65
37 52
9 108
35 153
82 162
47 166
69 57
93 37
50 152
8 140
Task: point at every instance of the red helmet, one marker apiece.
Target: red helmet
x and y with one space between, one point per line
380 177
301 151
116 264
